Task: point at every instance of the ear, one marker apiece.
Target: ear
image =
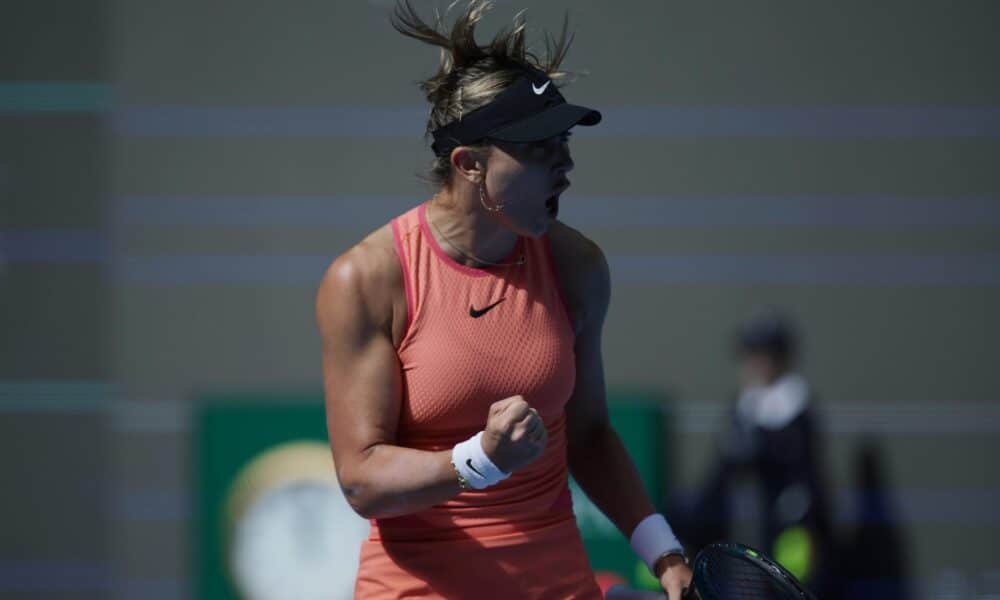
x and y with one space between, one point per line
468 164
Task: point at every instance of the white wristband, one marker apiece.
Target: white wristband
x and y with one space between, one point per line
472 463
653 538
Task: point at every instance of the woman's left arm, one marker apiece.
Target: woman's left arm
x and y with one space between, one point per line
597 458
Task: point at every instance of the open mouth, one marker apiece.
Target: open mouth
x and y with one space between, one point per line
552 203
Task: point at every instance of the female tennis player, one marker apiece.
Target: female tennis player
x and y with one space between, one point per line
462 350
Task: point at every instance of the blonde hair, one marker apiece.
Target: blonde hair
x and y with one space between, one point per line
470 76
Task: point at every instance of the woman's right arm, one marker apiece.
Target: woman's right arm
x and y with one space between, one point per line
363 391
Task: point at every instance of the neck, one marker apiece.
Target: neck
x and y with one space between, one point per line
462 222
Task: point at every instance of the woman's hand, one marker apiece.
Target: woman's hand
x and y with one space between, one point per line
675 577
514 434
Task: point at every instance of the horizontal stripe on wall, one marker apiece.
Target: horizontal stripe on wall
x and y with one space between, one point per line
83 577
942 584
852 416
161 588
645 121
21 97
841 416
642 270
52 576
25 97
368 212
905 506
65 397
968 270
908 505
54 246
860 270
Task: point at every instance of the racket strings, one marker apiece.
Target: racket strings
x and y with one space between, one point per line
737 578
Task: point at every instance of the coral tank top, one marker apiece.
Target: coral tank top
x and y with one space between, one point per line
475 336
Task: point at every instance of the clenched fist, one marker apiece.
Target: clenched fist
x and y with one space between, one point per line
514 434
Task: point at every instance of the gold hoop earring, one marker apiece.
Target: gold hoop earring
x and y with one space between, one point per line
482 199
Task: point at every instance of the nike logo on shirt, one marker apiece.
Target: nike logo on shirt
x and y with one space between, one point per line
475 313
539 90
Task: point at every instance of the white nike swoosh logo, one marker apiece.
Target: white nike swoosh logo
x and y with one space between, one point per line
539 90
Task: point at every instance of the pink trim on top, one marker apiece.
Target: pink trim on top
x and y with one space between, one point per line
547 243
398 242
451 262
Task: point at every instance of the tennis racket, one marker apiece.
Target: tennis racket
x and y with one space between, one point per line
730 571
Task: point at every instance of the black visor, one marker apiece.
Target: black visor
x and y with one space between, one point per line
531 109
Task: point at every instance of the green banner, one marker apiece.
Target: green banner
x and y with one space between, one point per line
232 430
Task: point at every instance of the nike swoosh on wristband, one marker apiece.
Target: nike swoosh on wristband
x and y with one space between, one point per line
540 90
475 313
468 463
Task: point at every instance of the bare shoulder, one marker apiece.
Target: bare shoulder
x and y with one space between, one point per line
363 285
583 272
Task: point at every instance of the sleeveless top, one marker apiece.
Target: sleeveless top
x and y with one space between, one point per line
473 337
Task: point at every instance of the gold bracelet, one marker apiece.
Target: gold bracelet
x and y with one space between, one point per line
462 482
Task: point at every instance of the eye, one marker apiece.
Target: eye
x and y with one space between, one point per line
554 142
540 151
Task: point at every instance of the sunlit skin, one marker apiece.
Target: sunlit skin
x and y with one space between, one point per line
526 179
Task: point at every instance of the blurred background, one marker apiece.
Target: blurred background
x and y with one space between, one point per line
175 177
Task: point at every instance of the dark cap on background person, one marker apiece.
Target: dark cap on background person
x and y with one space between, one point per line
769 332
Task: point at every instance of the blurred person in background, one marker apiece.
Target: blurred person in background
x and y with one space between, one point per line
771 441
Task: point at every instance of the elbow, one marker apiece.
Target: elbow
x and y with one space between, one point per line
355 491
368 490
362 497
371 507
366 512
359 501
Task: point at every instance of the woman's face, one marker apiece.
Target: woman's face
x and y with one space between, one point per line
527 179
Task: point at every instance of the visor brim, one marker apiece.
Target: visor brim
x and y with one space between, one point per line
548 123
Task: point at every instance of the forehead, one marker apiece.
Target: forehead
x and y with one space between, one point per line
555 137
521 147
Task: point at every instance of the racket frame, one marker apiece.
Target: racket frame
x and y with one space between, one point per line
778 574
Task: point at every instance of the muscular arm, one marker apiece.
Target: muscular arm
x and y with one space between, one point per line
597 458
362 386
